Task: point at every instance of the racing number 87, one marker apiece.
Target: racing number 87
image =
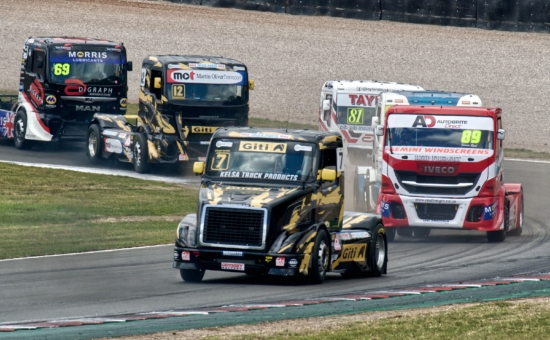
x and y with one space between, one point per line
355 115
471 136
61 69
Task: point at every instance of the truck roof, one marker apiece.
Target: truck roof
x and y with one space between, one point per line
58 40
435 97
314 136
166 59
367 85
445 110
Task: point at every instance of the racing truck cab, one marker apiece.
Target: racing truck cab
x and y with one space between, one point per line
271 202
442 168
63 82
182 101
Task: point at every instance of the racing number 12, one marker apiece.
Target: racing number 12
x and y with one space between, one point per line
178 91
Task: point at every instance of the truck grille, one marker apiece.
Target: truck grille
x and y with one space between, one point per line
234 226
437 212
462 178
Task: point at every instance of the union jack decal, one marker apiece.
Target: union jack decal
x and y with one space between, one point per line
7 123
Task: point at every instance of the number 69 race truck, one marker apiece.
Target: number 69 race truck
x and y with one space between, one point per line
442 168
182 101
63 81
272 202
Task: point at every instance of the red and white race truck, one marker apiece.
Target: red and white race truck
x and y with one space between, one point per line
442 168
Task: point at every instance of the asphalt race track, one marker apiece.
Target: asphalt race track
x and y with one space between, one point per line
140 280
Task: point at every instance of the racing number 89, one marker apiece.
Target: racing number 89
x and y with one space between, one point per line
220 162
61 69
471 136
355 116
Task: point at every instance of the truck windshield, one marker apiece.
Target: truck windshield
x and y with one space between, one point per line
88 67
261 159
440 131
352 115
218 93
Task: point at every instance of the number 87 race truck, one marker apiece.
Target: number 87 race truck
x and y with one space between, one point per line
442 169
271 202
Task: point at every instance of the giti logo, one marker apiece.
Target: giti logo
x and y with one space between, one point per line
424 121
123 102
263 147
204 129
353 252
51 100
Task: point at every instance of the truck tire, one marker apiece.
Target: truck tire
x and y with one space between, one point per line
19 131
378 253
500 235
141 154
192 275
390 234
94 144
406 232
319 258
519 228
422 232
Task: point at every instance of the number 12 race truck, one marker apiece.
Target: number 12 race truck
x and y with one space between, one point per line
271 202
63 81
182 101
442 168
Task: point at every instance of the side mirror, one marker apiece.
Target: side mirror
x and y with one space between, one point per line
328 175
157 83
500 134
129 66
375 121
379 130
326 105
198 168
251 85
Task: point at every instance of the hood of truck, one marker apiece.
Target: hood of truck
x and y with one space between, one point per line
252 196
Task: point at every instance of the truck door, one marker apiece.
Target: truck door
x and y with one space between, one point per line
330 199
35 75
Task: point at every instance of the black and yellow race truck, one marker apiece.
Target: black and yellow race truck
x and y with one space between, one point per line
63 82
183 100
272 202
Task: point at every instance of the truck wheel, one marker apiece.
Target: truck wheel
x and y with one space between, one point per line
94 144
519 226
191 275
19 131
500 235
320 258
390 234
407 232
378 253
422 232
141 154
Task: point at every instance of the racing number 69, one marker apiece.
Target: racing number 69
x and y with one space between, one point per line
61 69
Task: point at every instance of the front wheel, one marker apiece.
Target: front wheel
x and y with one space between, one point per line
500 235
519 224
320 258
94 144
378 254
20 130
141 154
191 275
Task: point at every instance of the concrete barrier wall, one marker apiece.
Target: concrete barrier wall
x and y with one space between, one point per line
509 15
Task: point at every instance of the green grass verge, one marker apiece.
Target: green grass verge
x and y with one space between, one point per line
46 211
491 321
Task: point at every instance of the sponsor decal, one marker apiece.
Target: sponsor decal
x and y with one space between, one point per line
123 102
207 65
353 252
205 77
361 234
257 175
202 159
205 142
87 108
361 128
292 263
268 259
185 256
112 145
233 266
385 207
232 253
220 144
337 245
458 151
265 135
128 141
122 135
74 87
7 120
143 76
437 169
280 262
262 147
110 133
434 200
344 236
363 99
36 93
70 56
489 211
299 147
51 100
238 68
440 122
183 157
204 129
